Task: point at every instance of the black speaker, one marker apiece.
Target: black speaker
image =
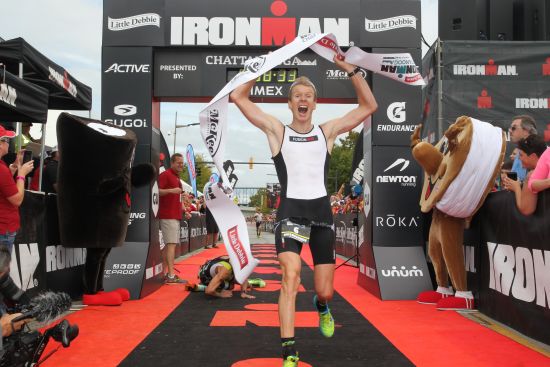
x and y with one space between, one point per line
532 20
463 20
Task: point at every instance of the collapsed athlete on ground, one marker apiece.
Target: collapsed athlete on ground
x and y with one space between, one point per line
218 280
301 153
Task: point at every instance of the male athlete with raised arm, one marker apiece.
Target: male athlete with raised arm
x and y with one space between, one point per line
301 153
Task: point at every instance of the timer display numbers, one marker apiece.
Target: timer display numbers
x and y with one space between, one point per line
276 75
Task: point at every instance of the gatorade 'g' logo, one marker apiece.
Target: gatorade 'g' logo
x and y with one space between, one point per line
255 64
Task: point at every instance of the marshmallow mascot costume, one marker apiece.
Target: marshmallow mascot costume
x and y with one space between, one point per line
94 180
460 171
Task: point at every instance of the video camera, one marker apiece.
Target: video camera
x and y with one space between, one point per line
25 347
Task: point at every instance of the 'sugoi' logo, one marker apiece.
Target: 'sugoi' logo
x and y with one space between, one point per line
237 246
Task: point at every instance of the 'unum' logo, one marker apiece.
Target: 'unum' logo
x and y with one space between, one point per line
403 272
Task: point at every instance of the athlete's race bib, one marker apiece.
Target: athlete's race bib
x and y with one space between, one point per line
298 232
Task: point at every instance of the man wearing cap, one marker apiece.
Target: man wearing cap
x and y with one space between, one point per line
49 182
11 192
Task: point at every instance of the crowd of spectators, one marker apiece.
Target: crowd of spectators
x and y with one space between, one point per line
351 203
528 170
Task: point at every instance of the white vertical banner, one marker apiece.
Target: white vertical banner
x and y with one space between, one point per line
232 226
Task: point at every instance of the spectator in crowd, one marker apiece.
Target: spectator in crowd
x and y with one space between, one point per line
504 170
170 214
530 149
258 218
540 178
26 136
212 230
218 280
522 126
49 181
11 192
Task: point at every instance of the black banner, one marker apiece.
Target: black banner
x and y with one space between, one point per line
345 227
126 81
515 265
399 108
39 262
22 101
490 81
65 92
199 73
390 23
396 189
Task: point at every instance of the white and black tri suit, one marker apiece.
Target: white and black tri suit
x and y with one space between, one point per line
302 168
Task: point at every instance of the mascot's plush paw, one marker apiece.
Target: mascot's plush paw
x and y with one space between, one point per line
124 293
430 297
456 304
102 299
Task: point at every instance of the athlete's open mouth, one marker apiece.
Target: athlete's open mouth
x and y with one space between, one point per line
302 109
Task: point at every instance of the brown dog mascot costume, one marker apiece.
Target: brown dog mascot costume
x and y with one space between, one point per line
460 171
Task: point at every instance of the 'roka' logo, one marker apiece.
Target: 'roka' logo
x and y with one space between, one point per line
237 246
396 112
391 221
125 110
490 69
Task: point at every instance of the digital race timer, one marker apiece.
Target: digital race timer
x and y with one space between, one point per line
276 75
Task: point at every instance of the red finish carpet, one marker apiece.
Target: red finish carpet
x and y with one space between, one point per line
173 327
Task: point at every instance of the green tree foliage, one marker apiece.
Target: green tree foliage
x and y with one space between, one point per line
205 172
340 162
258 200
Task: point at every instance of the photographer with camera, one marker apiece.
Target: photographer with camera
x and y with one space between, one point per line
10 291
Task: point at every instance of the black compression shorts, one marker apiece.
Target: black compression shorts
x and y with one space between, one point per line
321 243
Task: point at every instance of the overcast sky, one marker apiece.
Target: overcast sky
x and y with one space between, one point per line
69 33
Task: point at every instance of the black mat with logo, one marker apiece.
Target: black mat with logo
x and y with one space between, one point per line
185 337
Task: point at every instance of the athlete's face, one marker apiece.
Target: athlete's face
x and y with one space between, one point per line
302 102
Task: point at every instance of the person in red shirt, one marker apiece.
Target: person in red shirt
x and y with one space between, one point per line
11 192
170 214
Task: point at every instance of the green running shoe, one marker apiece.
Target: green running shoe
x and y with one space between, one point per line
326 322
291 361
257 282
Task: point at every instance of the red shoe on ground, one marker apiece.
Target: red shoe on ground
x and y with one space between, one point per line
430 297
102 299
455 304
